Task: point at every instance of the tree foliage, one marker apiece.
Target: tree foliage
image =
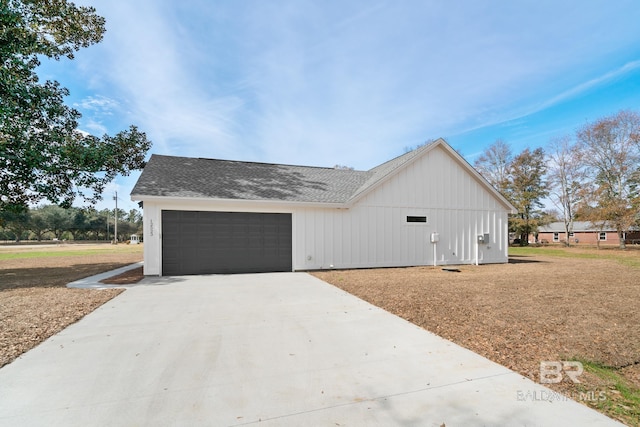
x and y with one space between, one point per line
43 155
494 164
566 176
526 189
51 221
15 221
611 152
594 177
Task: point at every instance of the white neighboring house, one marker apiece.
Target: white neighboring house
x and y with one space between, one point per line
217 216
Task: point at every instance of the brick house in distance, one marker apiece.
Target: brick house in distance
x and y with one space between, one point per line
585 232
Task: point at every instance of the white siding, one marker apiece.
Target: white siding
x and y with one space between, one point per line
152 227
374 232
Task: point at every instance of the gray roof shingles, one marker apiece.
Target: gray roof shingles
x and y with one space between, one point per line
578 226
171 176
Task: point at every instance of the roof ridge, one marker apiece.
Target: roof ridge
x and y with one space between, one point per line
407 154
259 163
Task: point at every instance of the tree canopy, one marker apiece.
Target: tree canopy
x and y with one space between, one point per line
566 175
611 148
43 155
526 189
593 176
494 164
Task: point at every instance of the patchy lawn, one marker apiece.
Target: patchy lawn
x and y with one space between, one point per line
567 304
34 300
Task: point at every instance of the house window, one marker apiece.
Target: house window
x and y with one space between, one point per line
556 237
602 235
422 219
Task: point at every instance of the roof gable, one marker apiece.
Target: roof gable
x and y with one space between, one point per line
387 170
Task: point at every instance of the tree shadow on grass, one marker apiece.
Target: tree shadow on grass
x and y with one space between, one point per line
47 277
522 259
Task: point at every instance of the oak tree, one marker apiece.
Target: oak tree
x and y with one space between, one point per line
43 155
526 189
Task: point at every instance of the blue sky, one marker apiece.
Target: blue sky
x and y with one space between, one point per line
350 82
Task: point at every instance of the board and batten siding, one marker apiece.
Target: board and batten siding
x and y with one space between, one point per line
374 231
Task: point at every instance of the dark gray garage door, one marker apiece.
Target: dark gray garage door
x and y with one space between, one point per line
225 242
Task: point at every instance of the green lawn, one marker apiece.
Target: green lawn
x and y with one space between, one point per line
629 257
626 401
16 253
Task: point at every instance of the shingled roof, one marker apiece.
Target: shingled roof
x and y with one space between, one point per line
169 176
578 227
185 177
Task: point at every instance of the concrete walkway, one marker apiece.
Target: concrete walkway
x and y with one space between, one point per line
281 349
93 282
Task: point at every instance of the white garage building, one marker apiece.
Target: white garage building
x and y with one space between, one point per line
426 207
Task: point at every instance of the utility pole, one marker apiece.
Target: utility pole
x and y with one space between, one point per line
116 224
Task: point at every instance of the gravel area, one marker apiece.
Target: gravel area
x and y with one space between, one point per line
34 300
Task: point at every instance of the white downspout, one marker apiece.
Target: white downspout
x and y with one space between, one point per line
435 237
434 254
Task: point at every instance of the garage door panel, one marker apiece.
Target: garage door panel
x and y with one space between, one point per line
195 242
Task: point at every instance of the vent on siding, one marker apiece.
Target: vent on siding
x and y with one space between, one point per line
417 219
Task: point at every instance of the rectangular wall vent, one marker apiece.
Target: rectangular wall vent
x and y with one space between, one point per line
417 219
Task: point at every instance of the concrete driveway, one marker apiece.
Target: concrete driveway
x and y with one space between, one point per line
269 349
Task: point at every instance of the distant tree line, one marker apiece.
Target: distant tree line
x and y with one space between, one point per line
593 175
50 222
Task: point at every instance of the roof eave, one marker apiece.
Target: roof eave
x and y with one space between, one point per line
462 161
265 202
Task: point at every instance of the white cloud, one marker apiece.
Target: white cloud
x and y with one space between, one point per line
144 61
343 82
98 103
94 127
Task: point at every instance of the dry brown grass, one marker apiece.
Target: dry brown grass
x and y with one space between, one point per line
34 300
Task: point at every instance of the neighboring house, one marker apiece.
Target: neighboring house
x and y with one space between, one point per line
219 216
585 232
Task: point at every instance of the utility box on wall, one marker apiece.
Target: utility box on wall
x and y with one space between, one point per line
483 238
435 237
